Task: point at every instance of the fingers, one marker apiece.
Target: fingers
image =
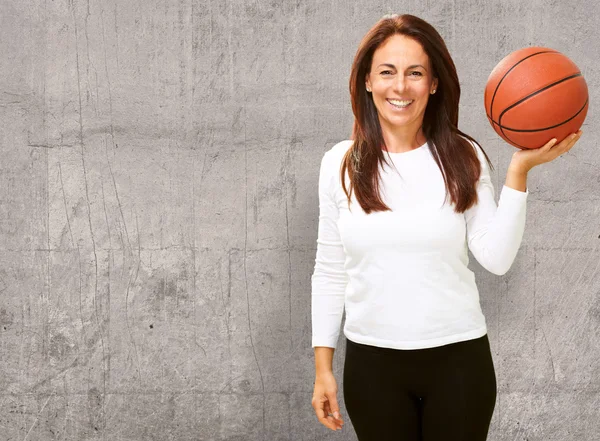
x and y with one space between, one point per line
335 408
323 409
319 406
333 412
573 139
568 142
550 144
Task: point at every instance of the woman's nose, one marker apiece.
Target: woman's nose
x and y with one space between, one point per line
400 83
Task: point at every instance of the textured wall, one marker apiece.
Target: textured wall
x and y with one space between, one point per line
158 216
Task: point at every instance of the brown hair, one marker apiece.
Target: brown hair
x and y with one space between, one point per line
449 146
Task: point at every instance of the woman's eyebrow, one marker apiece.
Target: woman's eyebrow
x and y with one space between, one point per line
394 67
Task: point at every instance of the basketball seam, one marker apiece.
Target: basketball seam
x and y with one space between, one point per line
534 93
506 73
544 128
499 122
578 74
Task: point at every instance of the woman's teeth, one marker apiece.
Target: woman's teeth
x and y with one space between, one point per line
399 104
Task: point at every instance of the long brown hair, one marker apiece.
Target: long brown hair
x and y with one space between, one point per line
454 155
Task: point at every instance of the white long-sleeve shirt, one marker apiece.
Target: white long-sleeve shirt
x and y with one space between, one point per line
402 275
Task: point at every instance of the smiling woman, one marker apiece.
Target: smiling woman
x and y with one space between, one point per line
392 250
392 247
405 91
400 91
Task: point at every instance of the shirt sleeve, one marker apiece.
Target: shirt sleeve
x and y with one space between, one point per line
494 232
329 278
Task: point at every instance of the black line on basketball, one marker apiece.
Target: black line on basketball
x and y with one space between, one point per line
544 128
564 122
580 110
533 94
506 73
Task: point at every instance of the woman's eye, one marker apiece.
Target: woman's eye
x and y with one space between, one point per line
386 72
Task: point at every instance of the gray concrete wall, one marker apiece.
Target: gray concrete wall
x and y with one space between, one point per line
158 216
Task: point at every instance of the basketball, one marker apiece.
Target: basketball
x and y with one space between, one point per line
535 94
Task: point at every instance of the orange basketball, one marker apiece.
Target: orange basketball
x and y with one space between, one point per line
533 95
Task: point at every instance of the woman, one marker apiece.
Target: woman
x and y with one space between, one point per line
392 247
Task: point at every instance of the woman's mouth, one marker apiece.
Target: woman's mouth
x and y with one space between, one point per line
399 104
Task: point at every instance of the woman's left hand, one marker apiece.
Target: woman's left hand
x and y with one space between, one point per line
526 159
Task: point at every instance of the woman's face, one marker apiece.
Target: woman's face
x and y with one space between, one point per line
400 70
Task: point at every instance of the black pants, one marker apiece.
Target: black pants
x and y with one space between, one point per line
445 393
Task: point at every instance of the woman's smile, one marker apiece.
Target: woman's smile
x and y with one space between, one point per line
399 105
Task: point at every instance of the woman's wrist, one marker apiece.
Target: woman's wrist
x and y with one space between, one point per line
516 176
323 360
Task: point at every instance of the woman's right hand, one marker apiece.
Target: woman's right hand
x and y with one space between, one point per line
324 401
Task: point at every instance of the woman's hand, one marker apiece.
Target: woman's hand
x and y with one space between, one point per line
325 401
526 159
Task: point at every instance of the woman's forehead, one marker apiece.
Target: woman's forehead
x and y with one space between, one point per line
400 51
